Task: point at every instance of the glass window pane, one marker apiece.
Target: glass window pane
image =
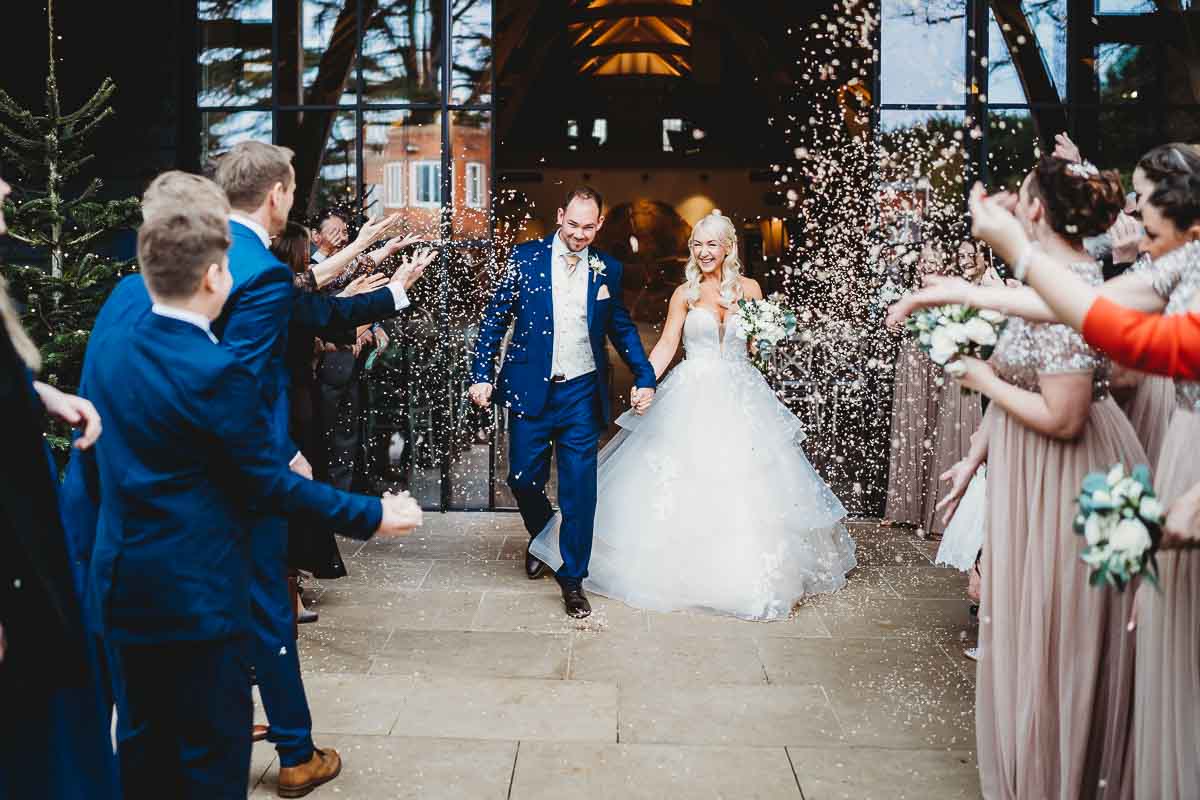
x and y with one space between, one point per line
1048 21
221 130
1126 72
235 52
923 56
1126 6
1048 18
1012 146
318 44
402 52
471 156
1125 134
326 160
925 150
403 150
1004 85
471 80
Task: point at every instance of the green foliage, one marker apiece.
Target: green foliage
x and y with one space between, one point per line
64 287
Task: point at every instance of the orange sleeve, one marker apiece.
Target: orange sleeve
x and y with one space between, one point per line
1166 345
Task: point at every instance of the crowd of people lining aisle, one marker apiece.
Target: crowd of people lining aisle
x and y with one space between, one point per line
154 575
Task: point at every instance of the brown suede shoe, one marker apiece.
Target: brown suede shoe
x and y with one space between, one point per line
298 781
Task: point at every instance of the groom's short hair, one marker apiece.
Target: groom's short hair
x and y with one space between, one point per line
176 246
249 171
174 189
584 192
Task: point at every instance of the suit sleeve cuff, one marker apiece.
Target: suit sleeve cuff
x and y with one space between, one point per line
399 295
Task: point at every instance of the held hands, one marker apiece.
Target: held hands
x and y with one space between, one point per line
973 374
481 394
75 411
641 400
401 515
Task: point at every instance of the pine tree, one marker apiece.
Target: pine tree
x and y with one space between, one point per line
64 287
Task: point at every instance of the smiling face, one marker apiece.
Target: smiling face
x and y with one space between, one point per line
1160 236
709 247
579 223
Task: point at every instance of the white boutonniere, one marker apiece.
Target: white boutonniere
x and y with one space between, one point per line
597 267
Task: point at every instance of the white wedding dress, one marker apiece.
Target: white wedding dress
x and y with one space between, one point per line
707 501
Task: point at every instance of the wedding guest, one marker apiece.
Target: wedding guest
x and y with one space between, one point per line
914 407
194 467
1167 742
54 723
1054 692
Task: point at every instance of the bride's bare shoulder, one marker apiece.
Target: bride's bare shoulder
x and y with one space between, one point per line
751 290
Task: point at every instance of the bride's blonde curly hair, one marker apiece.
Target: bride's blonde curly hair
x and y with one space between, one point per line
731 271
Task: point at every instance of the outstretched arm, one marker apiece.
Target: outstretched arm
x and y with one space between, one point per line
623 333
668 342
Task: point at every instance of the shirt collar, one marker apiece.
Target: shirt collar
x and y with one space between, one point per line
259 230
183 315
559 249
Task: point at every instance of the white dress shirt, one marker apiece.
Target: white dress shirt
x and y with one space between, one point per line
183 315
573 355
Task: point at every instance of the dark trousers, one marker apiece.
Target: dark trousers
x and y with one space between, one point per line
187 709
273 645
338 407
569 427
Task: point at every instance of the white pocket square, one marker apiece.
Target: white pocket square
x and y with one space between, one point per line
603 294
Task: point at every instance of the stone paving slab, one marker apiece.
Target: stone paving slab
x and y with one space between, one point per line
656 659
480 654
878 774
551 770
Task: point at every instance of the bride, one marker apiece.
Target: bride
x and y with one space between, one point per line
707 501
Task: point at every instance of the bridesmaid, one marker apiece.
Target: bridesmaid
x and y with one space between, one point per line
1167 720
956 415
1055 681
914 408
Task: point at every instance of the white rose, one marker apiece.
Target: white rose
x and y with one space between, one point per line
942 346
1127 487
1131 536
1098 528
1150 509
1096 556
957 331
925 339
980 332
1101 496
1115 474
994 317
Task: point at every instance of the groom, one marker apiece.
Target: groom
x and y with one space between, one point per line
565 299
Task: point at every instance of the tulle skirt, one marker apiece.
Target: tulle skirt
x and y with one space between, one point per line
963 537
708 502
1167 719
1055 681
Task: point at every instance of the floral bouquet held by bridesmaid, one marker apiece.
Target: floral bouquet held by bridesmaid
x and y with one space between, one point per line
1121 518
947 333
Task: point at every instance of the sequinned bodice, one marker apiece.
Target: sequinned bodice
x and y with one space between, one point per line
704 337
1176 278
1029 349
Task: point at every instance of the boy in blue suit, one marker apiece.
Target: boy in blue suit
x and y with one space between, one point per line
187 446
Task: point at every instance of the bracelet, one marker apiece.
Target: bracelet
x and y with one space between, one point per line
1022 265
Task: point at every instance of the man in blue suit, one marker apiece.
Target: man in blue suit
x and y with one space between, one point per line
564 300
188 444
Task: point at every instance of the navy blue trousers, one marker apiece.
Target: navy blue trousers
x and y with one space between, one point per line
273 644
568 428
186 712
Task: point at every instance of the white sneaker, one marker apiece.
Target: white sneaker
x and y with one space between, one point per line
971 653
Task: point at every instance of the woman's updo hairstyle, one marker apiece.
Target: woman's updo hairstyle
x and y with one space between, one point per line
1177 198
1167 160
1080 200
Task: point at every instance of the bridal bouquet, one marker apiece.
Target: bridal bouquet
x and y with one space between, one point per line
1121 518
947 333
766 323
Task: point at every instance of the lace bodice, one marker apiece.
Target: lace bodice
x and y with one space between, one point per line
1029 349
705 338
1176 278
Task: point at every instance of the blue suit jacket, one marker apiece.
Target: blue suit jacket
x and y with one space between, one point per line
525 298
255 320
186 446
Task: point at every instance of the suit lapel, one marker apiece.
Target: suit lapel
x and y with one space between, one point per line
544 276
593 286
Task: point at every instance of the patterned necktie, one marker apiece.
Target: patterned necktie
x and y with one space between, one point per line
572 260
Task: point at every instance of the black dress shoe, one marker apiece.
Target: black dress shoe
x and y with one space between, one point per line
534 568
576 602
